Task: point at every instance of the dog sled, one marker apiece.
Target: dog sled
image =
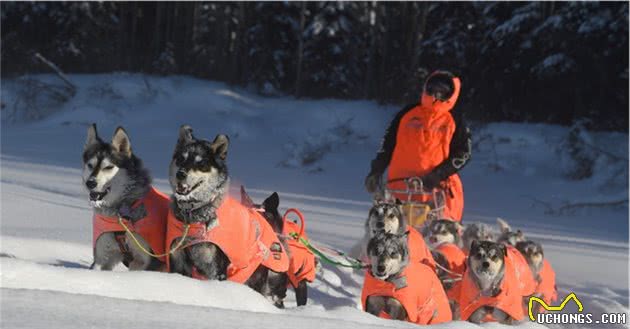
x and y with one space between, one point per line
421 205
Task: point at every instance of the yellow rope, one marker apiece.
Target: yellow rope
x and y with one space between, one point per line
133 237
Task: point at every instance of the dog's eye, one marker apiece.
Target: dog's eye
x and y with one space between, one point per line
393 254
90 166
494 258
478 256
108 168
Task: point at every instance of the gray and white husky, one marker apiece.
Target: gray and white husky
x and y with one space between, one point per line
385 217
486 263
508 236
199 178
115 178
476 232
443 231
389 256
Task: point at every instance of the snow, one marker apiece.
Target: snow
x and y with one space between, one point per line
45 228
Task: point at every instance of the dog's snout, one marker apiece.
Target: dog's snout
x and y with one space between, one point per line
485 264
90 183
380 269
181 174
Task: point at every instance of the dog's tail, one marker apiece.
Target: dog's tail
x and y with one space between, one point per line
503 225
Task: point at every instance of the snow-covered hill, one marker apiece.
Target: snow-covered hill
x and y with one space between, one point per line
315 153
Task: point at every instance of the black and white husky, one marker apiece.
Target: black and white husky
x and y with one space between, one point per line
389 256
115 178
508 236
198 175
277 282
486 263
383 217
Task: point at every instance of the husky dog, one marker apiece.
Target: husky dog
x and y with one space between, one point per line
199 178
276 283
389 255
442 231
385 217
508 236
115 178
486 263
533 253
476 232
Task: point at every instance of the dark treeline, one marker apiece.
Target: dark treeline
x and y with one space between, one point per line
544 62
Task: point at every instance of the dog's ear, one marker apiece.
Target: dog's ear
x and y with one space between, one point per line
459 227
400 207
121 143
272 202
92 137
520 234
220 146
473 246
185 135
504 226
245 199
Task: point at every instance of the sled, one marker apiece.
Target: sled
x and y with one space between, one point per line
420 205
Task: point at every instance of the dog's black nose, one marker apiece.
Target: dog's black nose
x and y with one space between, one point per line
485 264
380 269
380 224
91 183
181 175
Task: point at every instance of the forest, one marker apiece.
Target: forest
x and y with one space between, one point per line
552 62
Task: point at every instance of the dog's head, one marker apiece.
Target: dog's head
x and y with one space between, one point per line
443 231
476 232
269 209
386 217
508 236
533 253
107 167
388 254
198 171
486 260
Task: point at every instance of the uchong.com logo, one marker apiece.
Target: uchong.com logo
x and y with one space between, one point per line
551 314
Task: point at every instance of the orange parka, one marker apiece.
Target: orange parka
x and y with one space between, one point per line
524 276
422 143
417 289
242 234
152 227
456 259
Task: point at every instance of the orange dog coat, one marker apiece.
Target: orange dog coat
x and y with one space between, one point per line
509 299
243 235
151 228
302 263
417 289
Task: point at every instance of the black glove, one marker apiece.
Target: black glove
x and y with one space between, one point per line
373 182
431 181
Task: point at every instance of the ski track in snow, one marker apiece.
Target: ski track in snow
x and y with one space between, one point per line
45 237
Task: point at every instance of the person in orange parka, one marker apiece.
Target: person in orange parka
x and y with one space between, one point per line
427 140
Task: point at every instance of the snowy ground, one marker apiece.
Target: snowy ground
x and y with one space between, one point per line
45 238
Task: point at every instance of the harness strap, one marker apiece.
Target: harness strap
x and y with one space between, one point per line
141 247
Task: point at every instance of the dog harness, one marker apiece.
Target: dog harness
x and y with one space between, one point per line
302 265
243 235
418 249
417 289
508 299
546 287
151 226
524 275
